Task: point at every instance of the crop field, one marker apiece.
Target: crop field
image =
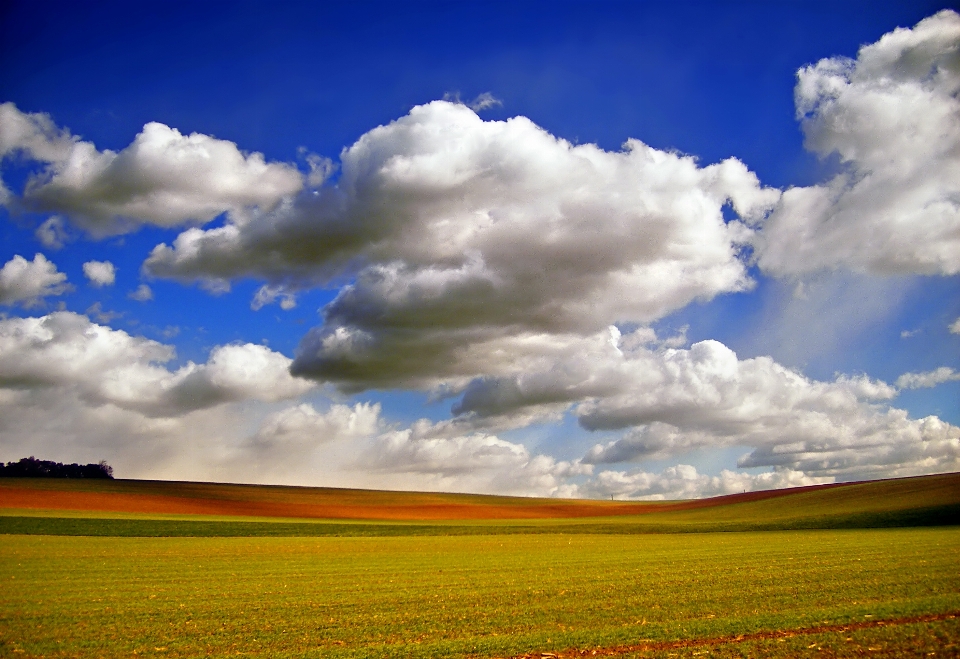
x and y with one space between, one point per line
121 583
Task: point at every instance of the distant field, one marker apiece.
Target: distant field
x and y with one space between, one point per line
159 508
291 502
491 577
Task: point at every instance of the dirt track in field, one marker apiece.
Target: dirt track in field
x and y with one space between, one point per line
655 646
230 500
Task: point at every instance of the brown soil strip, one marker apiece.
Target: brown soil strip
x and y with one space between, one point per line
742 638
213 499
11 497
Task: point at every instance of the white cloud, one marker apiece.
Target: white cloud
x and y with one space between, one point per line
109 367
440 183
143 293
492 261
928 379
482 102
64 379
672 401
79 390
84 392
955 327
683 482
254 371
53 234
462 231
27 282
706 397
97 312
321 168
34 135
299 435
617 383
100 273
304 424
65 349
163 178
56 421
473 463
893 117
268 295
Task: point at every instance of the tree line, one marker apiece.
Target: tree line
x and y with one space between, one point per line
33 468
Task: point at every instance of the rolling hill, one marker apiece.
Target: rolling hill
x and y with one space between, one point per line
134 507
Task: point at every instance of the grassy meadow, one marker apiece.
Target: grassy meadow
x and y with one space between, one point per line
567 586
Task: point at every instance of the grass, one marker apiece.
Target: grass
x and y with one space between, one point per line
146 527
807 572
457 596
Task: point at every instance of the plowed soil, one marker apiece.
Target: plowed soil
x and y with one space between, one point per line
621 650
163 497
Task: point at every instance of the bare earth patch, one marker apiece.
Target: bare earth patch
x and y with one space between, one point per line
644 648
167 497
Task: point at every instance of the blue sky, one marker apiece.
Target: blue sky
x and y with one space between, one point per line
569 249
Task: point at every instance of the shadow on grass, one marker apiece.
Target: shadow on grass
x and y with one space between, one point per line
947 515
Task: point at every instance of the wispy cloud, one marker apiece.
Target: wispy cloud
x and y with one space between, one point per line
927 379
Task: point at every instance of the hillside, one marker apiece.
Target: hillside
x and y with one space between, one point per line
132 507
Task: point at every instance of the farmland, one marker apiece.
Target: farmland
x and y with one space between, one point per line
495 586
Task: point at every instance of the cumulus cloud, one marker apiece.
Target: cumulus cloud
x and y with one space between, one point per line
459 231
439 184
33 135
100 273
83 391
708 386
478 463
28 282
928 379
53 233
109 367
670 401
55 421
494 263
893 118
87 391
955 327
684 482
304 424
481 462
706 397
163 178
143 293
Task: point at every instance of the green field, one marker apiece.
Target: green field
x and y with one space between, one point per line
610 586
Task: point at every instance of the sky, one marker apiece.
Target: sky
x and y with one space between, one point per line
629 250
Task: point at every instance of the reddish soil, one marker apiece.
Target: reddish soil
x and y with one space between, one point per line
151 503
727 640
233 500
